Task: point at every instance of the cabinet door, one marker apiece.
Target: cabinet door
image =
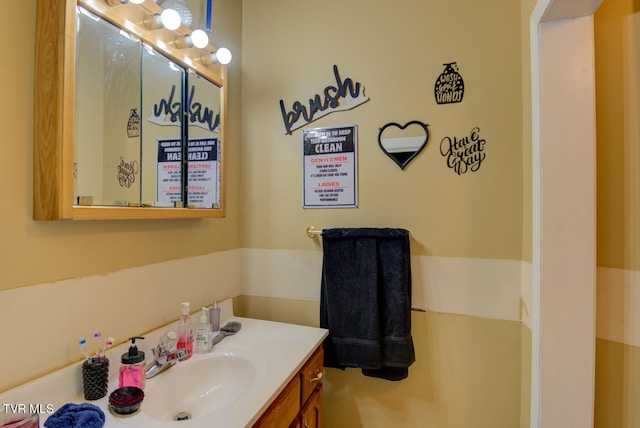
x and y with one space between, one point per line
311 413
284 409
296 423
311 373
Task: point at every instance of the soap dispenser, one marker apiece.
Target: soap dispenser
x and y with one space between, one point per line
214 318
202 343
185 330
132 369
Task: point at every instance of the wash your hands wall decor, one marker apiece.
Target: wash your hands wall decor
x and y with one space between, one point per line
346 95
449 86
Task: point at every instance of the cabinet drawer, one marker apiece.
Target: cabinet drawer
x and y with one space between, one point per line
284 409
311 413
311 374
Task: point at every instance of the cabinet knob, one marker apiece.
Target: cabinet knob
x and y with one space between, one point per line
317 378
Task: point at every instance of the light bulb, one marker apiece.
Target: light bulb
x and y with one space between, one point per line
223 55
184 42
179 6
199 39
170 19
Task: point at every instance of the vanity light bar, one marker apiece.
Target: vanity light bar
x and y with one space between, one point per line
149 17
119 2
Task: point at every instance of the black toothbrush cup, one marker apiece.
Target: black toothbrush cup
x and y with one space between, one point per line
95 378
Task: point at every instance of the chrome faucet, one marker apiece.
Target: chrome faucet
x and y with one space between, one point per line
163 357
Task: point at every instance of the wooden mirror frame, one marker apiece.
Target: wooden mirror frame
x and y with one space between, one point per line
54 106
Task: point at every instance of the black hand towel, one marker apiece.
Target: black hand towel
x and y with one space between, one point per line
366 300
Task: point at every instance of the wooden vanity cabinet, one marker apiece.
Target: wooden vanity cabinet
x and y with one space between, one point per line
299 405
311 413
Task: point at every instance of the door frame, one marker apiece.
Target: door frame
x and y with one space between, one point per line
563 277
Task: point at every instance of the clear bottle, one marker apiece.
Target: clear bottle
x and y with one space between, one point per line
214 318
132 369
185 330
202 343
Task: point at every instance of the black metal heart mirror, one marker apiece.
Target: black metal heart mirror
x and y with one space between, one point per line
402 143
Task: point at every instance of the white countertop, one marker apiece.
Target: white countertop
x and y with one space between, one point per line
279 350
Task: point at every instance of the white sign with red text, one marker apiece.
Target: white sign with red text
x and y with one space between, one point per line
330 167
203 189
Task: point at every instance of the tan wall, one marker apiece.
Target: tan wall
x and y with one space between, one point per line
617 42
618 385
466 374
525 377
526 8
397 53
617 70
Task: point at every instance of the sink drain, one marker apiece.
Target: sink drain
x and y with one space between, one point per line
182 416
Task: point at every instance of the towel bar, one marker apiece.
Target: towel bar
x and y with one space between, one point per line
312 232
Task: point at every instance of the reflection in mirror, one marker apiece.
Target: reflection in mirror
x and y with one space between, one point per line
204 102
402 143
107 95
108 92
162 95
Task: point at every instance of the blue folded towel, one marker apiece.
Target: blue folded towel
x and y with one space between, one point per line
366 301
84 415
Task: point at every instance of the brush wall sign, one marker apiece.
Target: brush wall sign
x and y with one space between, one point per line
402 143
168 110
346 95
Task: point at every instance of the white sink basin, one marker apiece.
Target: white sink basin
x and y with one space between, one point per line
228 387
201 386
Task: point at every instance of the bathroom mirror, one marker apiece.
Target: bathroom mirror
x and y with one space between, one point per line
129 122
402 143
203 151
161 143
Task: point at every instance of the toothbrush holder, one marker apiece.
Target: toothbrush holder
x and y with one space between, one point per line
95 378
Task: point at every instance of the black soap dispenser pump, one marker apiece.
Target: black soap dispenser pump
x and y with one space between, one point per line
132 367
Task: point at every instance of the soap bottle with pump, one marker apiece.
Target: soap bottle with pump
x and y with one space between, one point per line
185 330
132 369
203 334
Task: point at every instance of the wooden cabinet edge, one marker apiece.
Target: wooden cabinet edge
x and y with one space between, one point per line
130 213
48 109
311 373
284 408
311 411
280 413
